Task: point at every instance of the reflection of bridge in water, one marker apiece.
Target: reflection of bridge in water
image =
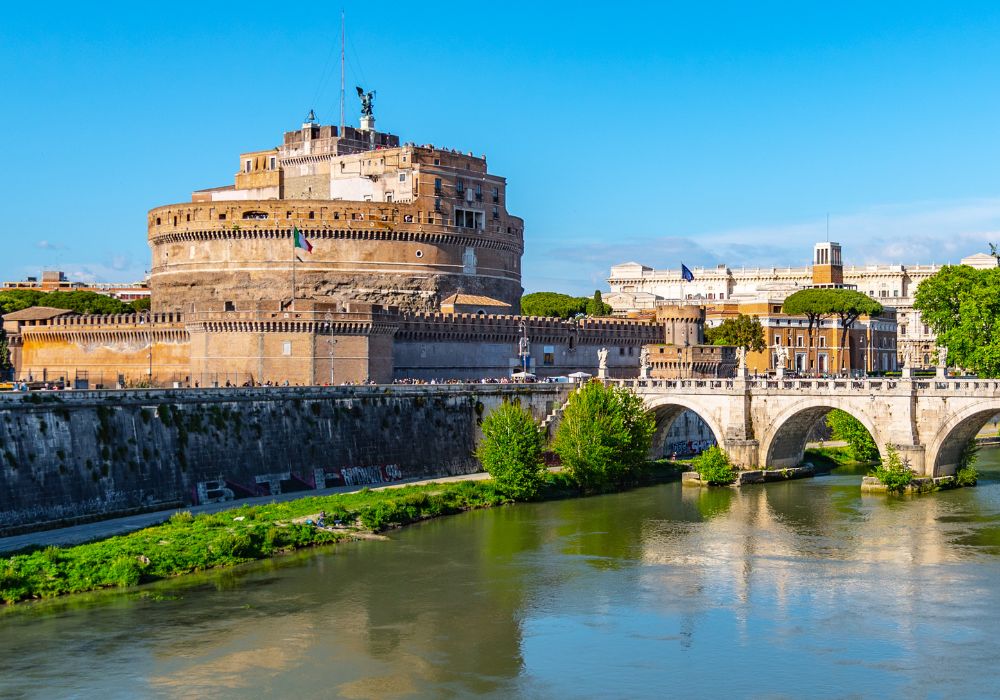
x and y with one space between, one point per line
766 421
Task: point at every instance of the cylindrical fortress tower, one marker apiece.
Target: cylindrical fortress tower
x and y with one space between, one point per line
402 226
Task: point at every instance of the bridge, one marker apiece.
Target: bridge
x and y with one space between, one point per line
766 421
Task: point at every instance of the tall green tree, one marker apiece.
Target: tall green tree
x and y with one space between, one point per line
604 437
743 331
844 426
596 306
962 306
511 451
817 304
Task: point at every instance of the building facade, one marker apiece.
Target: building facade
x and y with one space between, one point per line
636 288
389 224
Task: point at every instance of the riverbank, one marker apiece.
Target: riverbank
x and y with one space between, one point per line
187 543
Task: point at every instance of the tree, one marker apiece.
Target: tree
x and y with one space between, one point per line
79 301
844 426
894 472
141 305
743 331
962 306
819 303
18 299
596 306
511 451
552 304
713 467
604 437
849 305
5 365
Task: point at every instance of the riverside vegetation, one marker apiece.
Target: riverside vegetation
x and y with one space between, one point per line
603 442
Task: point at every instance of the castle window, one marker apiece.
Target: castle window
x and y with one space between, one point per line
272 163
419 253
157 221
288 215
496 195
336 215
222 217
286 347
230 306
312 215
437 186
246 165
437 161
188 217
437 207
496 213
402 177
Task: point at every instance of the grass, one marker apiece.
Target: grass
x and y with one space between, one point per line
830 457
188 543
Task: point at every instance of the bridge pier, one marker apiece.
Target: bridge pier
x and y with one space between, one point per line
743 453
914 456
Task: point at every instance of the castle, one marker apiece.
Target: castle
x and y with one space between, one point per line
338 256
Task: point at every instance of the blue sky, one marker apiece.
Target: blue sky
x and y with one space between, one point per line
661 132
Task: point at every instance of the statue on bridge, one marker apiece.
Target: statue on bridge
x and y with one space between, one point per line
602 363
942 362
644 364
741 361
781 359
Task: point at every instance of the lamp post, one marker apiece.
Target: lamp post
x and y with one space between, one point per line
524 348
331 342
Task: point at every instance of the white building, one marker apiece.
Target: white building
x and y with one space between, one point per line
637 288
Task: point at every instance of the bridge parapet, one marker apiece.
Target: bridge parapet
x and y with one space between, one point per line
951 387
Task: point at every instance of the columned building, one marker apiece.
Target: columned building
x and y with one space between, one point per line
636 288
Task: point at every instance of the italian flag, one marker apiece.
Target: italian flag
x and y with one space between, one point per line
300 240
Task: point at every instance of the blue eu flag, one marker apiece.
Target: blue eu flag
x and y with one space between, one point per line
686 273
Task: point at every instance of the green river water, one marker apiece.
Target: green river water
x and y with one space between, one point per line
792 590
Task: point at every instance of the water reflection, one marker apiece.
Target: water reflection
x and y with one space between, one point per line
794 589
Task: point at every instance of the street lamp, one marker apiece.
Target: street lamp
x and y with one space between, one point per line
524 348
330 341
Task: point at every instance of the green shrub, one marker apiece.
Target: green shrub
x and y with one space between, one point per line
181 517
124 571
846 427
894 472
511 451
713 467
967 474
604 437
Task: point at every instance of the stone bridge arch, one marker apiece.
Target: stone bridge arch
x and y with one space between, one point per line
783 437
944 447
667 408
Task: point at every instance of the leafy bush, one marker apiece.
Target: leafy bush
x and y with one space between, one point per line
713 467
604 436
511 451
967 474
181 517
846 427
894 472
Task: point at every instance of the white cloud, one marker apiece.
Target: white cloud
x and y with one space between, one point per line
49 245
914 233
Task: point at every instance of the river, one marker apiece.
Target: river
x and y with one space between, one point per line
801 589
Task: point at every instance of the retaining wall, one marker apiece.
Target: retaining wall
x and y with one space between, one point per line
68 457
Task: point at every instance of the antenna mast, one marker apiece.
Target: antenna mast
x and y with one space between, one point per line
343 39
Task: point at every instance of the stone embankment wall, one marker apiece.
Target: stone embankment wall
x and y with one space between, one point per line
76 456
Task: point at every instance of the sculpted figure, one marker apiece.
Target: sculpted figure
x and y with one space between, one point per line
602 358
367 98
644 358
741 358
782 353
